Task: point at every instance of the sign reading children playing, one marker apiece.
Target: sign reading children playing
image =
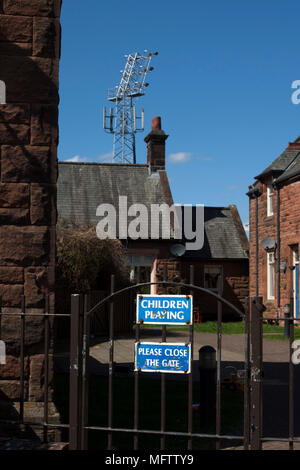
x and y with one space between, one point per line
164 309
163 357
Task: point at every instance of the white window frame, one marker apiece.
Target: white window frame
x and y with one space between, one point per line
270 200
271 275
143 261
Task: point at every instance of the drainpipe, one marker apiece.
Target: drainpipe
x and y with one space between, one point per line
276 186
256 245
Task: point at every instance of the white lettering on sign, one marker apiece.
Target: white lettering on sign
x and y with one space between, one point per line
163 357
180 303
149 351
165 309
164 314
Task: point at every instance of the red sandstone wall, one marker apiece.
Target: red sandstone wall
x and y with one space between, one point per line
290 235
29 65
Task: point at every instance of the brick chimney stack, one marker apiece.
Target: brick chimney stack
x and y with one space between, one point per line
155 141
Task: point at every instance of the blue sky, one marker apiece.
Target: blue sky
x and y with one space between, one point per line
221 84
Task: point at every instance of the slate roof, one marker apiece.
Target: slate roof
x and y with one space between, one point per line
82 187
293 169
282 162
224 235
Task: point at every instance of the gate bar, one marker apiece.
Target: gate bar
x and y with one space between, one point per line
75 373
85 373
46 373
219 358
256 372
246 379
291 376
190 379
111 362
22 346
136 381
163 378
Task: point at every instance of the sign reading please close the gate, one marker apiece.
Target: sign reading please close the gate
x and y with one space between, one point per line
163 357
164 309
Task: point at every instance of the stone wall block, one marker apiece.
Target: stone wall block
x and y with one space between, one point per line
15 49
11 332
30 79
14 195
14 216
24 246
25 164
36 286
15 113
10 390
43 204
11 370
11 275
11 294
44 122
15 29
37 377
14 134
46 37
49 8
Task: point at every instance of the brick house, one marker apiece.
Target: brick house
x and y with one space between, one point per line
274 201
83 186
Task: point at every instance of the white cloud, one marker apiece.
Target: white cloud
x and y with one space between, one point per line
246 226
180 157
105 157
76 159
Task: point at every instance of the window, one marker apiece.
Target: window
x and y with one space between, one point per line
211 276
269 200
271 276
141 270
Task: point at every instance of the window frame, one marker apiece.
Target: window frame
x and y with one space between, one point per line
271 274
140 260
270 197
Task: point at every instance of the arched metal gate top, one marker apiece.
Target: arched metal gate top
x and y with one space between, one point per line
166 283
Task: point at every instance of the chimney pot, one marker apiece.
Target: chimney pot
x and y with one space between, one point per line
156 123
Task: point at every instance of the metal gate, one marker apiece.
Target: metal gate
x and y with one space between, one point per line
255 373
81 315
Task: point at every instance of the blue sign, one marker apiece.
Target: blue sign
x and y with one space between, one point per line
164 309
163 357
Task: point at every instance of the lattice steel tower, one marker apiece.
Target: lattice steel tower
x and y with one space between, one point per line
122 119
